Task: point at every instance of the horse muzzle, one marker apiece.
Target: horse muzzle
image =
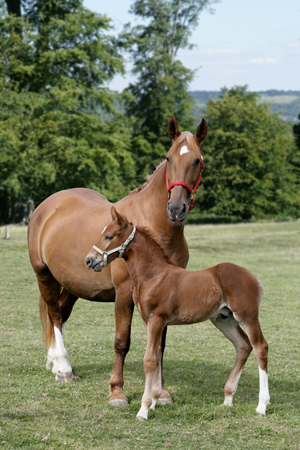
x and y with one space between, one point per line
177 213
93 262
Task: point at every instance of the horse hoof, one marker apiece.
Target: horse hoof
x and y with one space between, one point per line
65 377
261 410
165 401
141 418
118 402
228 400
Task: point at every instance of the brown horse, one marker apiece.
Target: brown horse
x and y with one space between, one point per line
165 294
64 227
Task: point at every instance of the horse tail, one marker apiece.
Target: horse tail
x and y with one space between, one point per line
47 326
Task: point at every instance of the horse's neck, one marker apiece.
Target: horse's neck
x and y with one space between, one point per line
148 208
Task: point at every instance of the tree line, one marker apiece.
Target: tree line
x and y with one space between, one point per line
62 127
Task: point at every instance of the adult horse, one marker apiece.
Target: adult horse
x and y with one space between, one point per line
64 227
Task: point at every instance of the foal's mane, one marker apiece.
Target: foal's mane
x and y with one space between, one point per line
148 179
156 248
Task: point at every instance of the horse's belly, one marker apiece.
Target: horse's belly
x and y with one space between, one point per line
61 235
66 262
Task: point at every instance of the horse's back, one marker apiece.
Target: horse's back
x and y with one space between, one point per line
61 231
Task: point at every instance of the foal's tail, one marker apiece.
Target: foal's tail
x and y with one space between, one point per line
48 328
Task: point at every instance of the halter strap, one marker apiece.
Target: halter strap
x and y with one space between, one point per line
120 249
182 183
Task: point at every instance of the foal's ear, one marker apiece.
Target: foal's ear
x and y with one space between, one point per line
173 128
201 132
116 216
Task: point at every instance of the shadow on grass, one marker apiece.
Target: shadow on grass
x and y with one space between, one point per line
202 381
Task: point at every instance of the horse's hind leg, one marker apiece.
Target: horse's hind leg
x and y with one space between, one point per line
52 319
260 349
232 330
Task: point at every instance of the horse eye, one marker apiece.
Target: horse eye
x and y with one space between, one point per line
108 237
197 162
167 158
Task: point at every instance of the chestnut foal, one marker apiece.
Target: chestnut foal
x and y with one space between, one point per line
165 294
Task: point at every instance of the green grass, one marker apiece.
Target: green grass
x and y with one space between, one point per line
37 412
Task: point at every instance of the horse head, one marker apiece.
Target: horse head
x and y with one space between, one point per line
112 243
184 167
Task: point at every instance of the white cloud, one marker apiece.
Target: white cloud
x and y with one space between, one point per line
264 61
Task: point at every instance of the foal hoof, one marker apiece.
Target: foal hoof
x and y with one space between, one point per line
118 402
141 418
261 410
65 377
165 401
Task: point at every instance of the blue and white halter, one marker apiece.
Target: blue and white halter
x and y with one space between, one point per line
120 249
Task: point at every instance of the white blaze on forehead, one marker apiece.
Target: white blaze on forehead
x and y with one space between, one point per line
184 150
104 229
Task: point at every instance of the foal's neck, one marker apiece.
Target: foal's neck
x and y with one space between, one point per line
145 258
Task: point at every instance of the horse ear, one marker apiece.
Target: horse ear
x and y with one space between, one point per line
173 128
116 216
201 132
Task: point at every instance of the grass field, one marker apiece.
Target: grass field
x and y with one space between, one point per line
39 413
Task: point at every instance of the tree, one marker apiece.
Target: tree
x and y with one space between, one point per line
161 86
296 130
249 159
55 131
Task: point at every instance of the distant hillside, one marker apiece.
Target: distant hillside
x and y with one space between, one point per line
287 103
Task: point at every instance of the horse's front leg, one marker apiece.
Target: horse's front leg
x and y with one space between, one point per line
165 396
123 316
157 382
152 366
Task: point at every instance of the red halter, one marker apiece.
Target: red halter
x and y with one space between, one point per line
182 183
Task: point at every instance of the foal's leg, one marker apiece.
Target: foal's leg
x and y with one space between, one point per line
151 365
232 330
52 320
157 382
260 349
123 316
165 396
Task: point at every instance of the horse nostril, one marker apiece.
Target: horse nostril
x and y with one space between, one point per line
88 262
183 209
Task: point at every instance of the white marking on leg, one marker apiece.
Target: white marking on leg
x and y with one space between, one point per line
58 356
264 396
156 384
143 413
183 150
228 400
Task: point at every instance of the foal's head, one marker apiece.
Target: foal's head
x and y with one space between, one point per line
184 165
109 246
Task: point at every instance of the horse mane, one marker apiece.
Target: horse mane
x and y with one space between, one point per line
156 247
148 179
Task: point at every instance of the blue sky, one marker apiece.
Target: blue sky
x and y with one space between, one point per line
253 42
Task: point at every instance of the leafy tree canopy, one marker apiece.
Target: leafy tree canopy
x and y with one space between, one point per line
249 156
161 86
54 65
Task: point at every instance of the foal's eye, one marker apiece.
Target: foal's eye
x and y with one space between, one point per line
197 162
108 237
167 159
